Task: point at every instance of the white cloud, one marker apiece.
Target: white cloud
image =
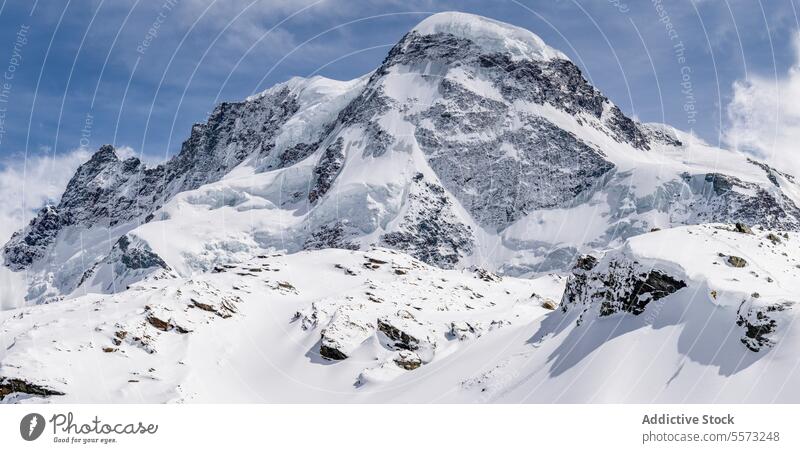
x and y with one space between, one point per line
28 184
12 289
764 117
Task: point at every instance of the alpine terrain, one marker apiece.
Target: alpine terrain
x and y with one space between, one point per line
472 221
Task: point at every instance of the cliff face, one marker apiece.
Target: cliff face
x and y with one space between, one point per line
109 191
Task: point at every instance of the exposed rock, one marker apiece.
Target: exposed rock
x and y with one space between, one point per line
330 352
736 261
347 270
286 286
402 339
224 308
487 276
107 190
30 244
407 360
772 173
572 166
720 198
13 385
586 263
327 169
430 231
549 304
760 324
660 133
375 261
335 235
463 330
620 286
159 324
347 329
138 258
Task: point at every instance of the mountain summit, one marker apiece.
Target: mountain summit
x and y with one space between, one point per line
490 35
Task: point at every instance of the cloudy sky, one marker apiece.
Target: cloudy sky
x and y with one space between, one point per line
138 73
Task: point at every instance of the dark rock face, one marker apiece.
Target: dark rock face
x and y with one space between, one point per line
125 258
430 231
644 288
138 258
402 339
295 154
586 263
719 202
11 385
30 245
556 82
331 353
620 287
759 324
773 238
334 235
107 191
540 165
327 169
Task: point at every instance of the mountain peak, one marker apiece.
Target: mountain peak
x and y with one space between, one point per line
490 34
105 153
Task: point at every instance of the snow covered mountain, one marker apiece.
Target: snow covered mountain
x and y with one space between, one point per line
473 151
473 143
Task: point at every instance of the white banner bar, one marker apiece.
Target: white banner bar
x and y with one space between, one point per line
398 428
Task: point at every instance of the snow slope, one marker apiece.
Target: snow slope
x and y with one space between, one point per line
729 335
386 327
253 332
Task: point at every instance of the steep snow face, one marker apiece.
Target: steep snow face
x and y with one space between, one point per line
490 35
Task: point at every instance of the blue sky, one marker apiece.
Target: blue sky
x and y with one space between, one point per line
82 74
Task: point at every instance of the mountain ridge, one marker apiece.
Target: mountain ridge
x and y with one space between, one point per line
458 94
